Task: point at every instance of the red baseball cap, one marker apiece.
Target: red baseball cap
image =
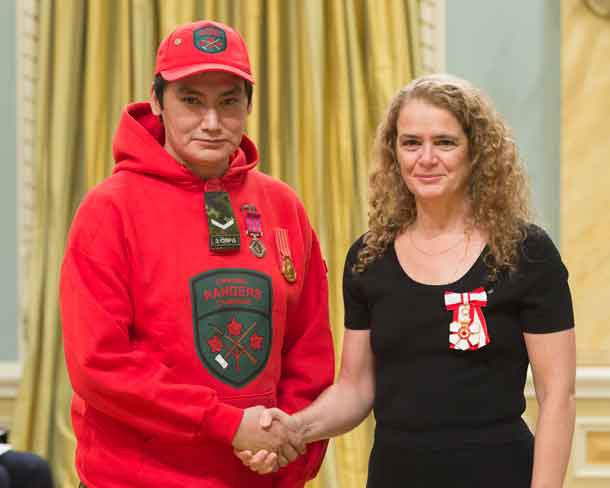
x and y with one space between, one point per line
203 46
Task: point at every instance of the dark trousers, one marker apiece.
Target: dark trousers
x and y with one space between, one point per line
24 470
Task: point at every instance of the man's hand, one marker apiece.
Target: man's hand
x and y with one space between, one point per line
265 460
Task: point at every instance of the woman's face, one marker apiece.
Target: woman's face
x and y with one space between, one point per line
432 150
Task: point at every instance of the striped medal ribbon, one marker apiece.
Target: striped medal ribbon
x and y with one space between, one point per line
286 263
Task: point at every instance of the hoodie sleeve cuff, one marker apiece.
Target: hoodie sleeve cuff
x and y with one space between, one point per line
304 469
220 423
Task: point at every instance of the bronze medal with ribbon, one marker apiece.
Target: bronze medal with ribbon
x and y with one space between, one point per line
286 263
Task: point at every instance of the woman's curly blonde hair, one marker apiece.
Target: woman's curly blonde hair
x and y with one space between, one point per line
498 187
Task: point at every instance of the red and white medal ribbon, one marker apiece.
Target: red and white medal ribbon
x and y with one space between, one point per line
468 330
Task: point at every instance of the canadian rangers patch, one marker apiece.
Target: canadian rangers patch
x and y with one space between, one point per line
232 321
210 39
468 330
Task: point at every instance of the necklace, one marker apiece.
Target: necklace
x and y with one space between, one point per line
438 253
461 261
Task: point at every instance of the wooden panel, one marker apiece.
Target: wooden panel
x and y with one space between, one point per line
598 448
6 412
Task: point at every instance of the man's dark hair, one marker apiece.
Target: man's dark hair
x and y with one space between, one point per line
159 85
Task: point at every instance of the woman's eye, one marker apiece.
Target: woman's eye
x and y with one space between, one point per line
446 143
410 144
229 101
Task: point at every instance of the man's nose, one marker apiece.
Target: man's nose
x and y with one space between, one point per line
210 119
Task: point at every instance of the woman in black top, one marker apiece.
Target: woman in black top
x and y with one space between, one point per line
448 297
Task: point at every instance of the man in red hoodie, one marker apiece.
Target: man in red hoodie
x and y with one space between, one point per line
193 290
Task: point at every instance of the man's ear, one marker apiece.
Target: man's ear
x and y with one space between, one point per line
249 108
155 105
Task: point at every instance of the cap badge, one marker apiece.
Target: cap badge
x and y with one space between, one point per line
210 39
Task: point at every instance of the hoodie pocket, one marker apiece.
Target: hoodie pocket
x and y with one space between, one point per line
114 452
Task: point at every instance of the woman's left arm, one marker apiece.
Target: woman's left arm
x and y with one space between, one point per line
553 360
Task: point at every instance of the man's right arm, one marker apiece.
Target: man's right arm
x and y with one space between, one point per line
117 378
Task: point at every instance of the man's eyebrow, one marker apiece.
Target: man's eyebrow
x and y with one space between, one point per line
188 90
233 91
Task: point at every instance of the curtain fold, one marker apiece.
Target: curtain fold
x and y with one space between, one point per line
325 69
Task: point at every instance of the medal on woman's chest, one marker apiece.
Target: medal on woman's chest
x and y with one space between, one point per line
286 263
468 330
464 321
254 230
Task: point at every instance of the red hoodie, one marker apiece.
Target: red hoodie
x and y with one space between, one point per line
166 342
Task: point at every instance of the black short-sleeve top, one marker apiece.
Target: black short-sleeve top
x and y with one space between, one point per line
438 372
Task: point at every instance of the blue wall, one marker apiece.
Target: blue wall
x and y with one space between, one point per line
8 186
510 49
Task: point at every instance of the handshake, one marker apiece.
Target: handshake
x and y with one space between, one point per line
268 439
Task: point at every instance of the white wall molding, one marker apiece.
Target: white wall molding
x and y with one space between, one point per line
10 375
591 382
27 23
582 469
432 38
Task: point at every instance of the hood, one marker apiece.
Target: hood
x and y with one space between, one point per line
138 147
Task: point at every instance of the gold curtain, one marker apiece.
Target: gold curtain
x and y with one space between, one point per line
325 70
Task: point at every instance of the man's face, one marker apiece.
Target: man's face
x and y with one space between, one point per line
204 117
